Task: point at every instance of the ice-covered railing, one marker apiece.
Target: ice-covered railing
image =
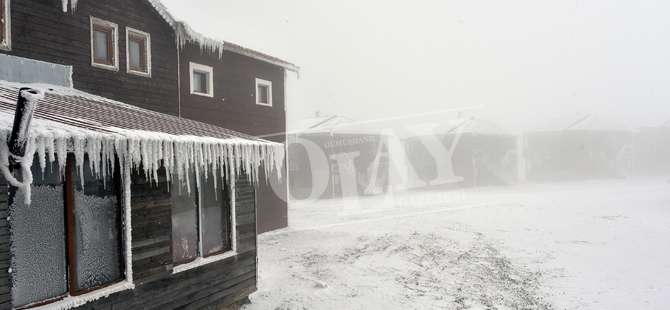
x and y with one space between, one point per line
149 150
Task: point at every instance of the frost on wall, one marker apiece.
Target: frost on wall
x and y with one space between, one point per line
38 265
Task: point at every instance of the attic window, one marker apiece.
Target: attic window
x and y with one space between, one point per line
263 92
138 52
201 79
5 25
104 47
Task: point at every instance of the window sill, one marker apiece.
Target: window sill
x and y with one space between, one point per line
202 261
75 301
5 47
139 73
203 94
264 104
103 66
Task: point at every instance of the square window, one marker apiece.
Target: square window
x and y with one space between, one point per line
5 25
77 246
104 47
263 92
201 79
138 52
201 219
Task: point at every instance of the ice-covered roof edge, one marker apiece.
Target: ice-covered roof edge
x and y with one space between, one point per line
185 34
149 150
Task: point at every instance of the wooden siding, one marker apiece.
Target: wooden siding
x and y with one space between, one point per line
234 107
211 286
5 280
42 31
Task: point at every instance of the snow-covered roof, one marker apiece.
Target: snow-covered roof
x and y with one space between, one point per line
186 34
67 120
469 125
650 121
331 125
576 122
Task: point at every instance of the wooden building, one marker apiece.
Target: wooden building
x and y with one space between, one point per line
577 147
230 86
483 153
341 145
130 51
118 211
135 52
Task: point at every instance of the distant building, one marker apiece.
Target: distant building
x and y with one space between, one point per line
578 147
483 153
350 152
652 145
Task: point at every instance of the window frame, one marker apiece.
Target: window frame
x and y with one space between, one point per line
268 84
125 281
6 26
112 30
145 40
209 78
202 259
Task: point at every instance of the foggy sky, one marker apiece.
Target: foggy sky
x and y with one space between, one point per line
524 61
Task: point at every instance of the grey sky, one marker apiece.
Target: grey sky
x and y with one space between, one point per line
525 61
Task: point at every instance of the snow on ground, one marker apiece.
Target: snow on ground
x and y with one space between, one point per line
601 244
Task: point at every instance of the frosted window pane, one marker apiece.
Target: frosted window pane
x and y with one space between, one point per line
184 221
200 82
215 216
262 94
39 270
96 230
101 45
135 49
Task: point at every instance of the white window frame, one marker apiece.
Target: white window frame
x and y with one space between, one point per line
6 43
269 86
147 51
115 37
201 260
209 71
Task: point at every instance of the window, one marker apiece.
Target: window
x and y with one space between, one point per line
201 80
263 92
104 45
5 26
138 52
68 241
201 219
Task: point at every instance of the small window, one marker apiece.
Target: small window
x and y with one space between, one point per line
5 26
201 80
201 219
104 47
138 52
263 92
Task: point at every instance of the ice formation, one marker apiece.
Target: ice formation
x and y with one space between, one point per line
144 150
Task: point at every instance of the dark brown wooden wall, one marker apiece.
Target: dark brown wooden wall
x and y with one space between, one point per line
42 31
5 287
211 286
234 107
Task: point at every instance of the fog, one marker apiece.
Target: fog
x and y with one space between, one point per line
465 154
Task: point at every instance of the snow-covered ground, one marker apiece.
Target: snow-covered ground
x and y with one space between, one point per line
602 244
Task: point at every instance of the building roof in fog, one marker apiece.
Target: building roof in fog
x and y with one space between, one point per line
469 125
651 121
577 122
331 124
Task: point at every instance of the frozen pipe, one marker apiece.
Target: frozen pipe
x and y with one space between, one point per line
25 107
